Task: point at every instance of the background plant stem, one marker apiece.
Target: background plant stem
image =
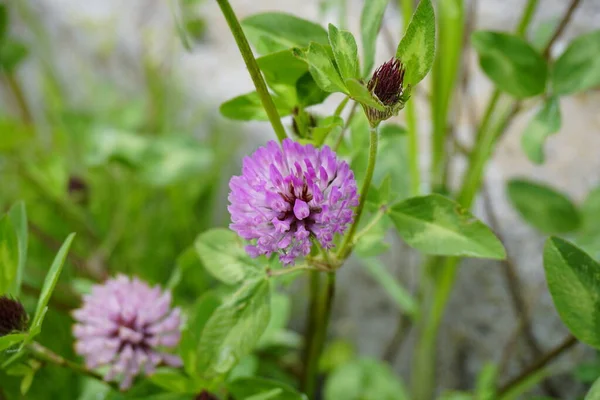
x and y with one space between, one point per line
253 69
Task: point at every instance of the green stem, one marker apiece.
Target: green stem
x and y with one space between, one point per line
308 382
291 270
46 355
253 69
346 248
526 18
370 225
341 106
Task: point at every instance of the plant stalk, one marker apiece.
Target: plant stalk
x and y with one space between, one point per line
253 69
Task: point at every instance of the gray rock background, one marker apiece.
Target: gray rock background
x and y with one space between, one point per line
107 40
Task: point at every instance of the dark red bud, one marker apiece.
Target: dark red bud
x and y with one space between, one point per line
13 317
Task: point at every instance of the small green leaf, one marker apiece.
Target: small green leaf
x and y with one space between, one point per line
360 93
234 329
9 254
10 340
322 67
48 287
308 92
12 52
364 380
437 225
273 31
392 287
345 52
248 107
18 217
546 122
511 63
543 207
370 23
573 278
578 68
486 383
174 381
221 252
251 388
417 48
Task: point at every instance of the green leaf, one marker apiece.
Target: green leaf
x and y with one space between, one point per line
14 135
336 354
192 332
174 381
246 388
322 67
273 31
360 93
594 393
9 255
10 340
437 225
18 217
196 28
48 287
543 207
345 52
511 63
573 278
486 383
248 107
308 92
417 48
12 52
588 237
578 68
392 287
364 380
324 127
370 23
282 69
546 122
222 254
234 328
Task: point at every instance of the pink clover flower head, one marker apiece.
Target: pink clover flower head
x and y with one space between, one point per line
289 194
126 325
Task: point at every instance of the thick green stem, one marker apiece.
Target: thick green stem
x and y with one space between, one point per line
346 248
253 69
308 382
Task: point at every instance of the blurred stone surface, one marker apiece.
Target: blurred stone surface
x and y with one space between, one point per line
109 40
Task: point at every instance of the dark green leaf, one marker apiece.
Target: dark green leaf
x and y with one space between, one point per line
511 63
234 328
573 278
417 48
248 107
3 22
546 122
174 381
9 255
370 23
437 225
578 68
271 32
345 52
246 388
222 254
364 380
543 207
322 67
308 92
12 52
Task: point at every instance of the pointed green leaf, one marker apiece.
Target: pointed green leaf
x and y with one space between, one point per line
10 340
511 63
234 328
273 31
360 93
543 207
322 67
437 225
546 122
578 68
18 217
345 52
222 254
417 48
370 23
248 107
9 254
573 278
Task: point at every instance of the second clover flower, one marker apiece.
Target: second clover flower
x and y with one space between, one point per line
288 194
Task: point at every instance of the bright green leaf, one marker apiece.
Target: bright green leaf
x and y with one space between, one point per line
9 255
10 340
578 68
370 23
546 122
18 217
417 48
360 93
174 381
511 63
251 388
273 31
282 70
573 278
543 207
322 67
234 329
248 107
594 392
345 52
486 383
14 134
437 225
222 254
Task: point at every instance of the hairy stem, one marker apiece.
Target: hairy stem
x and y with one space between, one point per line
253 69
